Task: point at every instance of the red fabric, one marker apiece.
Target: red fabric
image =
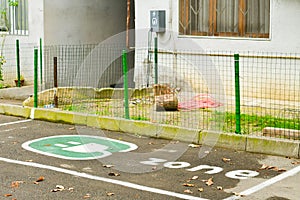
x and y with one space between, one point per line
199 101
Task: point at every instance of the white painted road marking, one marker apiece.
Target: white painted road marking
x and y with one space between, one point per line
16 122
236 174
77 147
267 183
107 180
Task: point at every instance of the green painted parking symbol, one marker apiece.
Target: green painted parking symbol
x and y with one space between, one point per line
77 147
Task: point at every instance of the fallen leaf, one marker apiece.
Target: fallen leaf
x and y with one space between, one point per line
71 189
40 179
207 152
16 184
238 194
209 182
271 167
108 166
110 193
195 177
264 166
219 188
280 170
188 185
87 196
60 187
188 191
200 189
8 195
150 143
295 162
113 174
226 159
72 128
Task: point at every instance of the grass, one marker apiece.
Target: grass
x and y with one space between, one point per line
250 123
254 123
141 118
2 85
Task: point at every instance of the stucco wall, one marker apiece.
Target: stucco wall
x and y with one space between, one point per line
27 44
285 16
260 78
82 21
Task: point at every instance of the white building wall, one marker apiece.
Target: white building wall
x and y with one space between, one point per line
285 16
27 44
260 78
72 23
82 21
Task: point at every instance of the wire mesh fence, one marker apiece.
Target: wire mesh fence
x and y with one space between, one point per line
189 89
9 68
270 93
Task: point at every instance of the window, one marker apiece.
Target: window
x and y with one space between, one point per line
229 18
14 16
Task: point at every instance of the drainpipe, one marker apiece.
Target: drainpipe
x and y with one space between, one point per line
128 23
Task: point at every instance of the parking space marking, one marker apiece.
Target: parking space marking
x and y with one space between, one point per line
77 147
16 122
267 183
98 178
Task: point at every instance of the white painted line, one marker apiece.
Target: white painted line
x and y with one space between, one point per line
74 143
60 145
16 122
267 183
107 180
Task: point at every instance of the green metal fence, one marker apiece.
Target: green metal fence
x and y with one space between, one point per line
248 93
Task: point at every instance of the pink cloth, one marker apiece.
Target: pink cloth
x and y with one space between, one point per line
199 101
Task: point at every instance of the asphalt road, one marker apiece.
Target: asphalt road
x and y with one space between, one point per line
36 164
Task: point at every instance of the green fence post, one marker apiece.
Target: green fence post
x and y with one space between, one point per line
237 94
125 70
35 92
18 63
41 62
155 60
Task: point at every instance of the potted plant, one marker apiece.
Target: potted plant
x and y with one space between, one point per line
22 81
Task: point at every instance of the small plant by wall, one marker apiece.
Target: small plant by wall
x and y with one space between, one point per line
2 61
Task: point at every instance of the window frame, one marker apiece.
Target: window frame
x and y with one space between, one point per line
184 13
12 19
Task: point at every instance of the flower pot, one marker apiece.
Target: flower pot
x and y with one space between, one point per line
21 81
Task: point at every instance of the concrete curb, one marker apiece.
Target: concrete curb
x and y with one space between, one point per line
271 146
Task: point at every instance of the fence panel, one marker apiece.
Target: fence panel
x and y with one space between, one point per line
26 63
200 85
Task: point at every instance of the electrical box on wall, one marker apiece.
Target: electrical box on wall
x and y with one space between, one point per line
158 21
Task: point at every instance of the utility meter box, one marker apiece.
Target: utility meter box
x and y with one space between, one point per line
158 21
